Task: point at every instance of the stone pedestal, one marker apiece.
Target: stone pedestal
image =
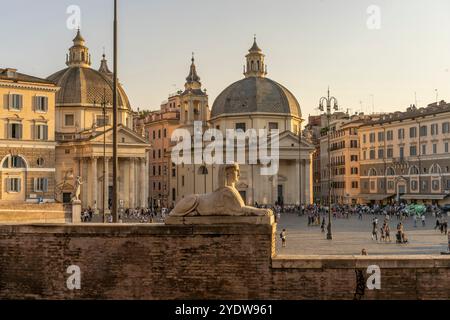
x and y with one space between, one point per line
219 220
76 211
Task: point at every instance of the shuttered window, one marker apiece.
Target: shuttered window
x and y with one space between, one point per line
15 102
41 104
41 132
14 131
40 185
13 185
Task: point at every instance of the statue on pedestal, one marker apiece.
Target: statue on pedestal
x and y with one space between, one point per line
225 201
77 189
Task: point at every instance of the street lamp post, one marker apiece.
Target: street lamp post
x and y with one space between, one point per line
328 103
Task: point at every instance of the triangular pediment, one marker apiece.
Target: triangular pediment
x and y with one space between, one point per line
124 134
288 139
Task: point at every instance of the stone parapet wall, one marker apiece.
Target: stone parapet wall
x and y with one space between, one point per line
235 261
16 213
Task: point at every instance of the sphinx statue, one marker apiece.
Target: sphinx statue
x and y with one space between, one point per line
225 201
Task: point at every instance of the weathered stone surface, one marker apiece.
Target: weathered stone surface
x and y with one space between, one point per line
230 261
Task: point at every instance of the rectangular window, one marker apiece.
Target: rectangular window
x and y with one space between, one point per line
159 134
241 126
401 134
413 151
13 185
412 132
41 132
15 131
182 181
434 129
273 125
424 149
372 137
41 104
389 135
380 153
390 185
154 135
402 152
364 155
434 148
372 154
446 147
364 138
423 131
446 127
354 144
165 133
69 120
41 185
102 121
353 158
390 153
15 102
380 136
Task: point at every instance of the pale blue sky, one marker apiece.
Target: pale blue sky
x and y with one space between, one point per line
308 45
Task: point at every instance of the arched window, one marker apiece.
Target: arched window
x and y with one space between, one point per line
14 162
372 172
252 64
390 171
435 169
413 170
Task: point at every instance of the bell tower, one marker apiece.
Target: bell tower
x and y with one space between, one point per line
255 62
78 55
194 100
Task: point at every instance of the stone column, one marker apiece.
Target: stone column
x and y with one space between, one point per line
299 183
85 187
125 177
132 174
303 168
308 182
274 188
94 179
143 178
106 182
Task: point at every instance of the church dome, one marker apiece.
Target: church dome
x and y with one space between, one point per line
256 93
80 85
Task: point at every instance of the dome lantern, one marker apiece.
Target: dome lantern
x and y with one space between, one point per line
255 62
78 54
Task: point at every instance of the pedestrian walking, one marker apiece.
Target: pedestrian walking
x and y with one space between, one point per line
423 220
283 235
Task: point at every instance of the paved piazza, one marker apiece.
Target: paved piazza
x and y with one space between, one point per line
351 235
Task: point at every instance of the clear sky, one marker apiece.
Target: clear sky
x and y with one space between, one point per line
309 44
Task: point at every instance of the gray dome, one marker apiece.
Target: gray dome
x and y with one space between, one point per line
81 86
256 94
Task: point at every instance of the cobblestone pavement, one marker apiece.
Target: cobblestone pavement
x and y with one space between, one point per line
351 235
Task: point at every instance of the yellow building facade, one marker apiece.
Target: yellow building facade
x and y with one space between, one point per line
27 138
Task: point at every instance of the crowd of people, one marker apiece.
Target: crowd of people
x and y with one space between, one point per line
130 215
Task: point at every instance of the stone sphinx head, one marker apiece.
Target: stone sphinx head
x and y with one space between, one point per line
228 175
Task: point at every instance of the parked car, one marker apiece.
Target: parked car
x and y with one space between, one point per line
446 208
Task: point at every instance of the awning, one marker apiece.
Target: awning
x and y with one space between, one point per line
423 196
375 196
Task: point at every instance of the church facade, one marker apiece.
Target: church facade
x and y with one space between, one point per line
84 136
255 102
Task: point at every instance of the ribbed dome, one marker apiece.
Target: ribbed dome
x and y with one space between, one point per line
81 86
256 94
